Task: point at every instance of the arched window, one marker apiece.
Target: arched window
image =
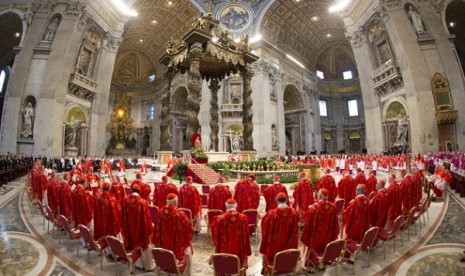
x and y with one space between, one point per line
2 81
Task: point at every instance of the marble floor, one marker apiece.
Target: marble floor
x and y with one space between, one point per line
27 248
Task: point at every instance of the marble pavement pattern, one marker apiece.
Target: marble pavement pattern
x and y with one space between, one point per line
27 249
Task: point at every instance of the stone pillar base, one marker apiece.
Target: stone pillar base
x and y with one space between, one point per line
164 156
248 155
71 151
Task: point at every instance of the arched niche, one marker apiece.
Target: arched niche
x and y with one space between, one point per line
75 131
178 124
355 138
11 24
381 50
295 120
232 133
393 110
28 112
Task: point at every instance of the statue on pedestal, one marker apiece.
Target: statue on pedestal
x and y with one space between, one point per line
51 30
402 132
417 23
236 143
70 132
28 114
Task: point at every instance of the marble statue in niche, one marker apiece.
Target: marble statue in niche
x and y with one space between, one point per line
416 20
28 116
274 137
236 143
49 35
83 61
402 131
70 132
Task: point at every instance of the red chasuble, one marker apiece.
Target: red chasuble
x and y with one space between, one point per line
137 223
270 195
378 207
189 198
107 216
321 225
161 191
329 184
394 201
346 188
247 195
279 231
53 196
303 196
172 230
83 209
218 196
231 235
356 218
371 184
66 200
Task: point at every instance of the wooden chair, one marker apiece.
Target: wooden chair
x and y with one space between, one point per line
73 233
332 255
97 245
388 235
227 264
410 221
153 212
188 214
252 218
120 255
205 189
166 262
51 218
365 245
211 214
43 211
284 262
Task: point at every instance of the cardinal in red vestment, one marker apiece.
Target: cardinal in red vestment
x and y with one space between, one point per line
394 199
172 229
231 233
107 214
417 186
406 190
270 193
279 229
117 190
218 196
65 198
39 182
145 189
161 191
53 195
346 188
189 198
378 206
371 184
321 226
355 217
327 182
137 226
303 196
83 209
247 194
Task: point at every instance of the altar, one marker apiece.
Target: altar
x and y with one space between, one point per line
214 156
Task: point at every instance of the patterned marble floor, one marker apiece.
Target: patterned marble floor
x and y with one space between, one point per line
27 248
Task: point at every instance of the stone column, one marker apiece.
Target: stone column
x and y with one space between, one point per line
165 113
194 84
214 126
247 113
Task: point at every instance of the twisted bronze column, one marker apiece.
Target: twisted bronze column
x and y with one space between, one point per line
214 127
247 113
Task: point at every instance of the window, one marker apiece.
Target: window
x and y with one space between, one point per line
353 108
150 112
152 78
320 74
347 75
323 110
2 80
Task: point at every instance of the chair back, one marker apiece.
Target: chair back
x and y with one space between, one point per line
340 205
205 189
43 211
225 264
87 236
127 190
252 216
211 214
49 213
187 212
285 262
165 260
65 224
397 225
204 200
427 203
116 247
369 238
263 188
153 212
333 251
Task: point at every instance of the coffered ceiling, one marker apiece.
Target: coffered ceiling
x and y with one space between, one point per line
302 28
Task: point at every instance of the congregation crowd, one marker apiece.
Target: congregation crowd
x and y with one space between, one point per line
324 212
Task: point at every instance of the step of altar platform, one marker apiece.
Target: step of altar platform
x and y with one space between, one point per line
203 174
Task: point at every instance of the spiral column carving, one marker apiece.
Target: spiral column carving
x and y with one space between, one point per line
194 84
214 127
165 113
247 113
